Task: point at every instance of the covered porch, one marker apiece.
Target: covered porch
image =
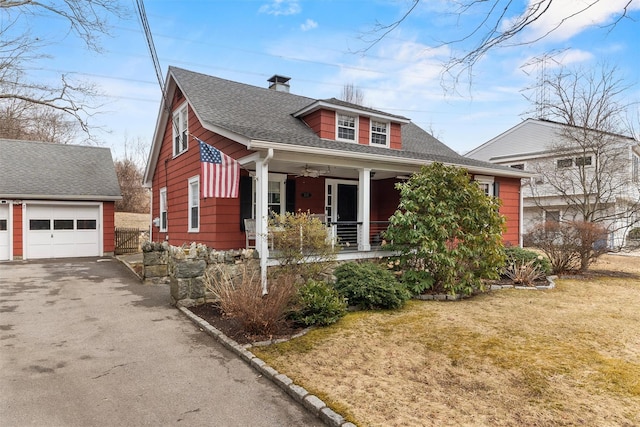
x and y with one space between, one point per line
353 198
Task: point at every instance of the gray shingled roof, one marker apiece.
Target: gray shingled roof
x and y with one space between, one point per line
267 115
40 170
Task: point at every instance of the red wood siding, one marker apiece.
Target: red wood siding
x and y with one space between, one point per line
364 130
323 123
108 227
384 199
510 209
18 249
219 218
395 141
315 187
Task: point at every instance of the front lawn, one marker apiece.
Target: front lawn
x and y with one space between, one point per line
568 356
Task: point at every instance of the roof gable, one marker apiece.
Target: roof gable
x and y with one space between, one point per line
39 170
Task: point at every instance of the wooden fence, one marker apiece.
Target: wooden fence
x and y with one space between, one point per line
128 240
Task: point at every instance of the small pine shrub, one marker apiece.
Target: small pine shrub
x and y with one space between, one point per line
519 257
317 303
370 286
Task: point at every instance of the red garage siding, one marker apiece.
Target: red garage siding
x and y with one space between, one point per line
108 227
17 232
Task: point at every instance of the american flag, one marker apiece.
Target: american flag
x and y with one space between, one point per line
220 173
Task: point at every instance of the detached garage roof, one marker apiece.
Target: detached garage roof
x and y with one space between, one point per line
41 170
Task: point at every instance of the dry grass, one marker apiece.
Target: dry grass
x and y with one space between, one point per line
132 220
569 356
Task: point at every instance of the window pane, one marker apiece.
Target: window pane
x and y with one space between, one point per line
377 138
345 133
552 216
86 224
63 224
3 225
565 163
163 221
39 224
194 217
583 161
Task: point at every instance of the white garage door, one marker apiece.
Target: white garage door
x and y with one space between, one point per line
4 232
55 231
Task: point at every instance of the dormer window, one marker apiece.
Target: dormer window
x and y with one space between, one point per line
379 133
346 127
180 130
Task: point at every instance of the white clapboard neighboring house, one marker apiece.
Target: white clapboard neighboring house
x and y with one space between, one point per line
542 147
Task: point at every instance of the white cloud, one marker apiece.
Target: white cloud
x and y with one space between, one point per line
281 7
309 24
573 17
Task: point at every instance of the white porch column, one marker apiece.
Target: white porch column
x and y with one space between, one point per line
262 241
364 208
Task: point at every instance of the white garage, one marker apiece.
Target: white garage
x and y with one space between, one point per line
4 232
62 231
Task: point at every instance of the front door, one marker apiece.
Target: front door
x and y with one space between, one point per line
342 210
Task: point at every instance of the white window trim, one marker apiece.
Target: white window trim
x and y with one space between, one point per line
193 180
483 179
273 177
635 167
387 133
163 201
356 132
182 125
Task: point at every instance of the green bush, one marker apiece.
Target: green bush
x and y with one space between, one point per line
518 256
369 286
317 303
448 232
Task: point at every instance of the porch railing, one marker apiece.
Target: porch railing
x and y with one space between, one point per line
348 234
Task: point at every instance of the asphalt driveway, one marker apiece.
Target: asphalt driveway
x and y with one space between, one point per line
83 343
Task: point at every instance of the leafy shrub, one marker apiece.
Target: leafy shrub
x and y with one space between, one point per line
519 257
570 246
317 303
369 286
240 296
449 233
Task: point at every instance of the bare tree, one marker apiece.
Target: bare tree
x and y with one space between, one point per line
27 121
496 23
591 168
352 94
135 198
86 19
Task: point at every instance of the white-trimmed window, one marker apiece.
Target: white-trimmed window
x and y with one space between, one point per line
276 194
583 161
485 183
347 127
194 204
163 209
564 163
180 130
379 133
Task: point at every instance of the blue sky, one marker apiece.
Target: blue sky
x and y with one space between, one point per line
319 43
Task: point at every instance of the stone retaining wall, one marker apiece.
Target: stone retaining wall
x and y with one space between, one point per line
184 268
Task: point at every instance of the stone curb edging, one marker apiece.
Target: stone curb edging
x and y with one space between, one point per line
309 401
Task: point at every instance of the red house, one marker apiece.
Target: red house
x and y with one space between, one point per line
332 158
56 200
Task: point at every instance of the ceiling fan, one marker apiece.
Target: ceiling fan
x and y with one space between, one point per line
308 172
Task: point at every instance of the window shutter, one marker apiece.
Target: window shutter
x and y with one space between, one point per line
291 196
246 190
496 189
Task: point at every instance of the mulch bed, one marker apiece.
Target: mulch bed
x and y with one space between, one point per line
233 329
